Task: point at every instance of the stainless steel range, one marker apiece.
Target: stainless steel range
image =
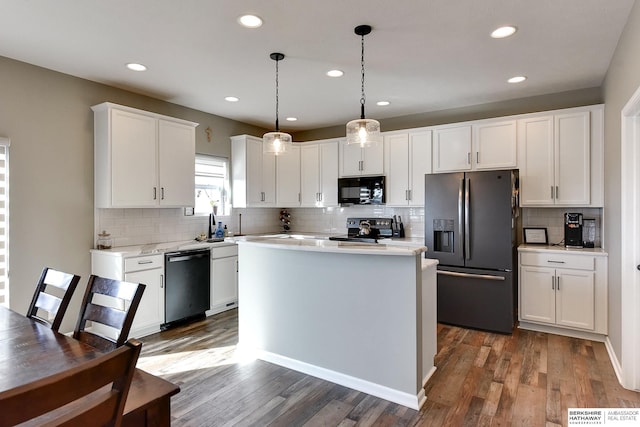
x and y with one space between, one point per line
367 230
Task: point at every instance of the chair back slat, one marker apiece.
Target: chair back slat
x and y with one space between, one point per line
80 388
46 307
107 302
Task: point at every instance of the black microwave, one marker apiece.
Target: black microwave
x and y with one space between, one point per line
365 190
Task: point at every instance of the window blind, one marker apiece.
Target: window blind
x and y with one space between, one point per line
4 221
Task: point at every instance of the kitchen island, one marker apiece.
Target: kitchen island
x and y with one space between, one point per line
359 315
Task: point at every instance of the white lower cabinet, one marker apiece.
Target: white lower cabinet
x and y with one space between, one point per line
563 289
146 269
224 278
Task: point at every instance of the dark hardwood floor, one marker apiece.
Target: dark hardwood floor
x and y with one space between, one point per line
483 379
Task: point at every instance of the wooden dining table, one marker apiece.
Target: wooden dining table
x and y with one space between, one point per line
30 351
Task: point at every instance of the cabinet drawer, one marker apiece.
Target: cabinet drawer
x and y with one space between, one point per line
142 263
546 259
224 251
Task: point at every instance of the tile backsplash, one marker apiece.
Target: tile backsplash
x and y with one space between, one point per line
143 226
553 220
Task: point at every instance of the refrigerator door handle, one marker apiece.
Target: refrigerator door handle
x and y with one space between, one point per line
461 211
469 275
467 228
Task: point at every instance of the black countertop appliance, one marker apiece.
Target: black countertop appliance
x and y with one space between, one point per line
573 230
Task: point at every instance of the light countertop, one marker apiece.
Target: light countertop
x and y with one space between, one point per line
292 242
561 249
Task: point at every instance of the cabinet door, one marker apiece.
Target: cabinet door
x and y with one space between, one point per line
329 174
288 178
255 195
452 149
350 159
150 313
269 179
397 165
373 160
573 161
537 171
494 145
176 163
224 283
575 302
537 294
133 160
419 165
309 175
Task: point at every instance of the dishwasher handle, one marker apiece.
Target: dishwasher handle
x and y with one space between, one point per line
187 257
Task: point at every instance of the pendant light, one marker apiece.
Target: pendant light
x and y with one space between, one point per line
276 142
364 132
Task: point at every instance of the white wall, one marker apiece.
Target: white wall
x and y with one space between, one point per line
622 80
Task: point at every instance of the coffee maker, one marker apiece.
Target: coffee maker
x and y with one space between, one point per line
573 230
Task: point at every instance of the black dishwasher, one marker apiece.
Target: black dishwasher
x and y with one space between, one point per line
187 286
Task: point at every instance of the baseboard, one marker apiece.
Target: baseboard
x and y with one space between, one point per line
383 392
562 331
617 367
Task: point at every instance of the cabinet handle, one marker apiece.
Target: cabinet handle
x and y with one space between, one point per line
558 283
145 261
555 262
406 194
557 194
469 157
320 197
161 281
553 283
410 195
551 191
477 157
154 193
162 193
237 266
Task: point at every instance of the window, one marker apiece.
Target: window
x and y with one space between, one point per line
4 222
212 183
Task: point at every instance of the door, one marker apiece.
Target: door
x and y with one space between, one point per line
444 217
537 294
310 175
452 149
397 161
288 178
488 220
537 165
572 155
329 174
575 304
629 304
176 163
419 165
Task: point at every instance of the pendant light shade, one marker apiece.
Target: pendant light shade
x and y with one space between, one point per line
364 132
276 142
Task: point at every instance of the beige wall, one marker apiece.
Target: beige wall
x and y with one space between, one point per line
47 117
552 101
622 80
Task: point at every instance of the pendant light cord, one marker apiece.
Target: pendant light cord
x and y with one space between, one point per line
362 99
277 97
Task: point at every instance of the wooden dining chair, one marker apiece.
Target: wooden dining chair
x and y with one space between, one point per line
82 389
52 296
107 312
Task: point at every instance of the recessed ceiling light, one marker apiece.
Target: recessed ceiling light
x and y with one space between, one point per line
503 32
335 73
231 99
250 21
382 103
517 79
292 119
136 67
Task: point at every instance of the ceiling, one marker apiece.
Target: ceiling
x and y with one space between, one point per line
422 55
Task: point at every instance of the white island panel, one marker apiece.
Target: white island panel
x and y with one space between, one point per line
366 321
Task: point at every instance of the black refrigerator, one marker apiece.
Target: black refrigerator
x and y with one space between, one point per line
470 228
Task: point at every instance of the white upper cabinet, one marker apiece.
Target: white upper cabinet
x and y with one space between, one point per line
319 174
288 178
357 161
556 165
142 159
407 160
253 173
485 145
452 148
494 145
